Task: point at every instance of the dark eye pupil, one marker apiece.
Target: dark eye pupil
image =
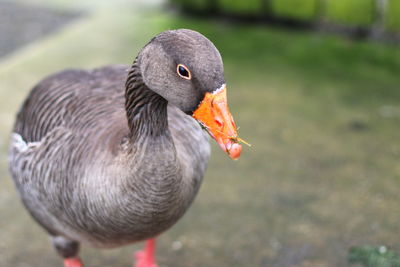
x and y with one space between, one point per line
183 71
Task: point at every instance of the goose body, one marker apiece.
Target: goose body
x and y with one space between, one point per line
101 158
72 173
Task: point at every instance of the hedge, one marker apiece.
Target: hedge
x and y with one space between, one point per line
295 9
351 12
345 12
393 16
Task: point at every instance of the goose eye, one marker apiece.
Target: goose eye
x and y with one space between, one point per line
183 71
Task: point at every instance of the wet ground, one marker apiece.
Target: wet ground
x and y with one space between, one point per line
322 114
22 23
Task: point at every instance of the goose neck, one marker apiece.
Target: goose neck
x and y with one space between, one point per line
146 110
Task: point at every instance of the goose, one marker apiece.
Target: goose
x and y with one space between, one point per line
116 155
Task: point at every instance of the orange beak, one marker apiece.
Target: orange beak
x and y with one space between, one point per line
213 114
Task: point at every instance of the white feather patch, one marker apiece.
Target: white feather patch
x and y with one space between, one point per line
19 143
219 89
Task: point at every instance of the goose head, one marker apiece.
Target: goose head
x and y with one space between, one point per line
186 69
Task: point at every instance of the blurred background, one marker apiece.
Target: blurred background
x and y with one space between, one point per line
314 86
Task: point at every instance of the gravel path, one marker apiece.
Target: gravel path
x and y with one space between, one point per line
21 24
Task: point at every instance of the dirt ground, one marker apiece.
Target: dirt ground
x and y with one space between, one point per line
322 115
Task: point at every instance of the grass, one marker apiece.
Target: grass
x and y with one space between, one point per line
322 114
371 257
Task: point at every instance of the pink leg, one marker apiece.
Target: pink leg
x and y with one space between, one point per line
72 262
145 257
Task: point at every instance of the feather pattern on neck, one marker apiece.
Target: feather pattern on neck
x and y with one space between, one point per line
146 110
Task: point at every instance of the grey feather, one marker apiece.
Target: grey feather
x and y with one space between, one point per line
101 157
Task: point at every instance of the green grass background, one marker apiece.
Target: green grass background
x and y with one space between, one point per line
322 115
